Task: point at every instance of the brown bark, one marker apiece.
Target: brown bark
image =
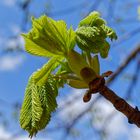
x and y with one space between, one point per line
133 114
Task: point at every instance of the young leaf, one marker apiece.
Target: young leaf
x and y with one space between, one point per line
39 99
41 75
71 39
93 19
95 65
92 33
109 32
104 49
39 102
49 37
34 49
79 84
31 110
76 62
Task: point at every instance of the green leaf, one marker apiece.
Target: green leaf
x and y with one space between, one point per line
39 102
34 49
71 39
109 32
79 84
86 39
49 37
76 62
95 65
93 19
92 33
104 49
31 110
39 99
41 75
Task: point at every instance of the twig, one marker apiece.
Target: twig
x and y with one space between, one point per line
133 114
133 54
68 10
111 10
133 81
127 36
79 116
128 95
94 6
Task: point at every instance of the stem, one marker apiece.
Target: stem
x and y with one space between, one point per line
133 114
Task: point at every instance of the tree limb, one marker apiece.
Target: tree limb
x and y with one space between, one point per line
133 54
133 114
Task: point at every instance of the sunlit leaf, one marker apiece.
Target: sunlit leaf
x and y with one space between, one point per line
93 19
49 37
39 102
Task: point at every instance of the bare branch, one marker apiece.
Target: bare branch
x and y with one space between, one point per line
68 10
133 54
133 81
127 36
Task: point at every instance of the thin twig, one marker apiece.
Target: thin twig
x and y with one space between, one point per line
79 116
133 81
133 54
69 10
127 36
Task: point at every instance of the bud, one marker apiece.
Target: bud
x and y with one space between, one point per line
87 97
88 74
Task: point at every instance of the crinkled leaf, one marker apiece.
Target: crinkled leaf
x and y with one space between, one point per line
104 49
93 19
31 110
39 102
86 39
39 99
92 33
109 32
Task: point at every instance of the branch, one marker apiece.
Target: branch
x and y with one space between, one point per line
133 114
133 54
69 10
79 116
127 36
128 95
94 6
134 80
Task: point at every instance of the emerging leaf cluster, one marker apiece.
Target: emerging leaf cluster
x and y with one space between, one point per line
51 39
92 33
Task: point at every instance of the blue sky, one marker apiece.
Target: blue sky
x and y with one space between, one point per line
15 68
